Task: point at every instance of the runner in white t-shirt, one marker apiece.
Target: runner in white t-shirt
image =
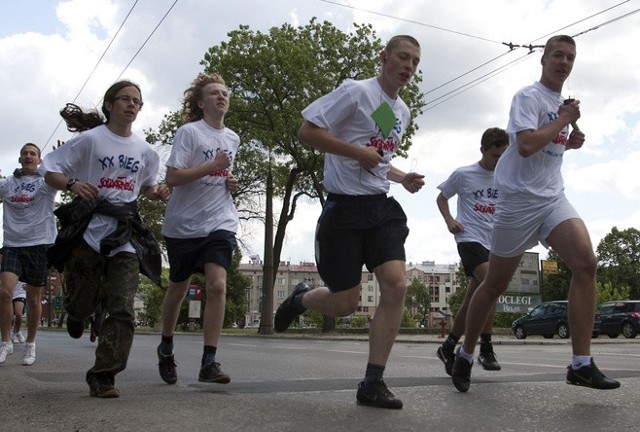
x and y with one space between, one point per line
477 196
532 208
106 162
201 220
29 231
359 127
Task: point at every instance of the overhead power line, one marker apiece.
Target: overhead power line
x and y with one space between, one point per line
411 21
532 48
93 70
105 51
512 46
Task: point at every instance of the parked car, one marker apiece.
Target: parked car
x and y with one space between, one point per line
620 317
548 319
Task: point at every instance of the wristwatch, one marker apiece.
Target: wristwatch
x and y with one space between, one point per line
70 183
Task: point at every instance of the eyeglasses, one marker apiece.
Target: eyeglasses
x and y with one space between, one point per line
128 99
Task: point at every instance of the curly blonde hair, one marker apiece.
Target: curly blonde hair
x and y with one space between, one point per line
190 110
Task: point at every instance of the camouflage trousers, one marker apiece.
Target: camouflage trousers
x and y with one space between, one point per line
92 279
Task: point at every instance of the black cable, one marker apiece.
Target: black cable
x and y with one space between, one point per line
93 70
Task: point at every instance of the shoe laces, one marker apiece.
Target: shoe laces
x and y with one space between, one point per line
167 360
382 388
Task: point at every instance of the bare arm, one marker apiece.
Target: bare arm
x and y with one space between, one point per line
531 141
412 181
59 181
180 176
453 225
322 140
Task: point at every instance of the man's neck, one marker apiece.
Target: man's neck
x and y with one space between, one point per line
550 85
389 90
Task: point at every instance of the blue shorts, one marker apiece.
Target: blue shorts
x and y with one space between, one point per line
353 231
188 256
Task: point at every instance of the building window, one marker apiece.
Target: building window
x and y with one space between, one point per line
281 294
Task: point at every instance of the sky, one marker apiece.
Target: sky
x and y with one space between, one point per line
53 52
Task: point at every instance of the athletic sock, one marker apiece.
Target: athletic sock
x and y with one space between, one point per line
209 354
373 373
451 341
464 355
166 345
577 361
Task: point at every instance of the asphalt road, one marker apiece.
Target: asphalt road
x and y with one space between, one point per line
309 384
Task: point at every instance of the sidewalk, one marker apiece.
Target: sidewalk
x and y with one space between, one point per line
502 338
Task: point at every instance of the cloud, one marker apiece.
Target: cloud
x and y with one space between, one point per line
49 54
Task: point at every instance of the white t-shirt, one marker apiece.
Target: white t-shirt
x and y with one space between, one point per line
118 166
538 177
28 211
205 205
476 202
346 113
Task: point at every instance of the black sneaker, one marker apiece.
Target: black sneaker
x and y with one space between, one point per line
590 376
75 327
286 311
376 394
101 385
487 358
167 367
447 358
461 373
211 373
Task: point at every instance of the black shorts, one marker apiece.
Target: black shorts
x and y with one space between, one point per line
472 255
188 256
357 230
29 263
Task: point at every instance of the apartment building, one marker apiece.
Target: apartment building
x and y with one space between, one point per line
524 289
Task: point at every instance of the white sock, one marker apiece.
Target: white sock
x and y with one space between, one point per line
464 355
578 361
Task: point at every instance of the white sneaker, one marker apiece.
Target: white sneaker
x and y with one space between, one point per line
14 337
6 349
29 356
19 338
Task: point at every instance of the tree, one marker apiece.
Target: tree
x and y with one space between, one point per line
556 286
272 77
607 292
235 307
619 259
418 297
456 298
237 286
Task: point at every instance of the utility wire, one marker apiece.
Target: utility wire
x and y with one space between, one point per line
464 87
93 70
148 38
130 61
411 21
512 46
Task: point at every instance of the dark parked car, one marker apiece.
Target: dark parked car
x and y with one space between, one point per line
548 319
620 317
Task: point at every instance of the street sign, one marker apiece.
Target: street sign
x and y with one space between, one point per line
549 267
